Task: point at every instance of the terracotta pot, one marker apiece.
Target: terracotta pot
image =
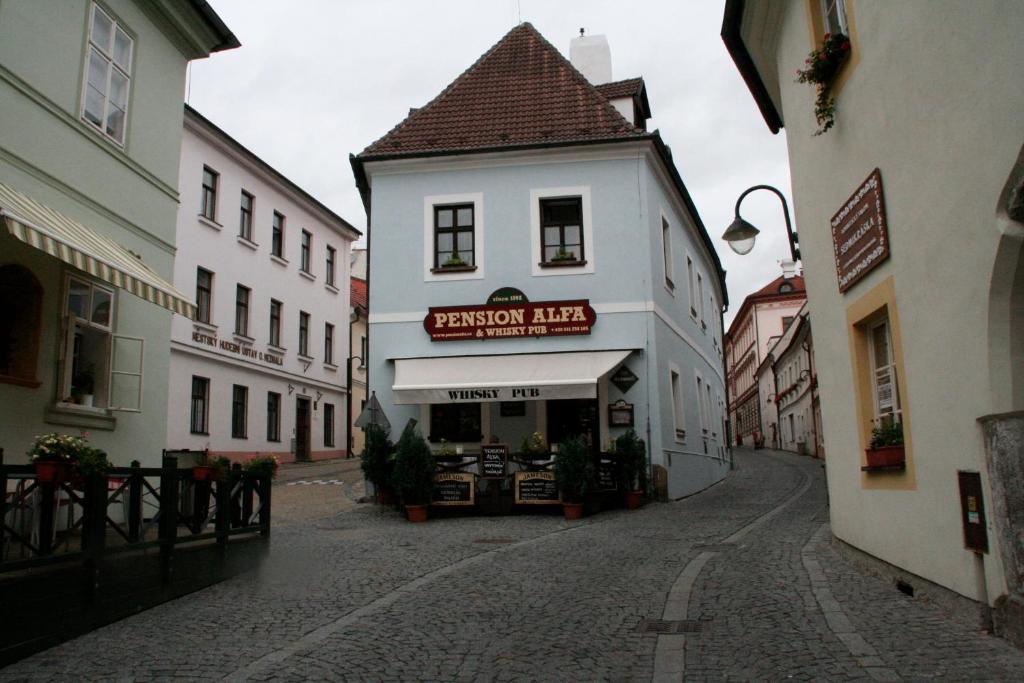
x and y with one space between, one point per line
385 496
51 471
885 456
634 499
202 472
572 510
416 513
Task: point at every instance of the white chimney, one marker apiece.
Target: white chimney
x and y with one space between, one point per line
592 57
788 269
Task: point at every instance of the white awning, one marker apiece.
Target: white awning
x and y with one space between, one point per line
54 233
524 377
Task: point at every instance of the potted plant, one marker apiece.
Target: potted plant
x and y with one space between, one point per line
533 448
453 261
205 468
83 385
446 451
378 462
633 460
54 454
821 67
414 474
886 447
263 466
574 473
563 255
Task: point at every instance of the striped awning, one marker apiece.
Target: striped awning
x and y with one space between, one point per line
47 230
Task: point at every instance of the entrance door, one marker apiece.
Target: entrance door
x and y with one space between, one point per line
574 417
301 428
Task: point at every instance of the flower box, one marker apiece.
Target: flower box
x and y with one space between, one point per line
52 471
885 456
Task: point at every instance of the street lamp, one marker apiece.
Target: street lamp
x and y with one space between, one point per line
741 234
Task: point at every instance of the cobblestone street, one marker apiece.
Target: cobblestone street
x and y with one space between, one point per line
359 594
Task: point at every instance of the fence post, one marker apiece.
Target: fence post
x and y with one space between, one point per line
168 515
94 534
3 504
223 520
247 493
236 500
134 503
265 507
47 503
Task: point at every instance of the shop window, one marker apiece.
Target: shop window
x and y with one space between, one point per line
273 416
20 304
239 411
200 405
561 231
456 422
328 424
107 76
454 236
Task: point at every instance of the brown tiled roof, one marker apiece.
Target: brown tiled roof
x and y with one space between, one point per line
357 292
626 88
520 92
770 292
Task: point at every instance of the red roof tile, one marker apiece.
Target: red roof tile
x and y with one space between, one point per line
627 88
520 92
358 294
797 281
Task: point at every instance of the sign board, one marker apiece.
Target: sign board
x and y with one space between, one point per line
606 471
200 336
860 233
623 379
620 414
502 321
536 488
972 512
493 459
454 488
503 394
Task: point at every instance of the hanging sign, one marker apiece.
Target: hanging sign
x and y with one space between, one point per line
624 378
860 233
513 319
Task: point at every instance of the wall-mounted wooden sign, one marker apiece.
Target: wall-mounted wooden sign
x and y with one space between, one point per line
501 321
620 414
623 378
860 233
454 488
972 512
493 459
536 488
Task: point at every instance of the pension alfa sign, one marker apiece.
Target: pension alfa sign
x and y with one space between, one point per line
501 321
860 233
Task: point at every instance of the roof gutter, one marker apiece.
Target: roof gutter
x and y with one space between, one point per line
227 39
733 39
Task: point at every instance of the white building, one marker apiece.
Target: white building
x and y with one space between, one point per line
262 368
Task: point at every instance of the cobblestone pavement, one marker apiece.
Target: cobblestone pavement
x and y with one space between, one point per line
304 492
363 595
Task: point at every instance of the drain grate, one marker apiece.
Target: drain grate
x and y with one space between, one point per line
495 540
663 626
715 547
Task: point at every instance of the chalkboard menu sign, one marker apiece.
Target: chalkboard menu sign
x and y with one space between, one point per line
536 488
493 458
606 479
454 488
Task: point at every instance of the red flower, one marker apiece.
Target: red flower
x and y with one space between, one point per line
826 36
845 46
822 57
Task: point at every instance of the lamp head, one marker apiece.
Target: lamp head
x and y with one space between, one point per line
740 236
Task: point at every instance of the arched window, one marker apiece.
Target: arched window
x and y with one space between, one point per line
21 299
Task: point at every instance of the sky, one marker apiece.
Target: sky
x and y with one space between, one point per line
317 80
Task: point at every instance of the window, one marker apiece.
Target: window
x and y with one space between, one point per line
86 353
700 300
689 280
107 76
786 320
666 252
709 405
561 230
833 13
701 406
883 373
208 201
678 415
239 408
303 333
453 236
455 422
329 343
242 310
328 424
275 323
307 245
245 219
273 416
277 236
21 299
200 405
204 295
364 351
330 265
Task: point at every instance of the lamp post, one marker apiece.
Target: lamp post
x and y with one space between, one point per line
741 234
348 395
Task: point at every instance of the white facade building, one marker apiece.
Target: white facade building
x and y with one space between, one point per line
262 369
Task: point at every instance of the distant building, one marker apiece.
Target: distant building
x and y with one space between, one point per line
359 311
911 214
262 369
788 391
516 222
761 319
90 139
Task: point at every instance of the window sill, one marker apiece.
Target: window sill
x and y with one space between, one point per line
562 264
243 339
670 286
204 327
304 357
308 275
247 242
453 269
199 433
331 367
72 415
210 223
273 440
331 288
277 349
233 436
278 260
20 381
884 468
680 436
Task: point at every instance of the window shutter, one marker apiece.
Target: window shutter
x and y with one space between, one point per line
126 354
